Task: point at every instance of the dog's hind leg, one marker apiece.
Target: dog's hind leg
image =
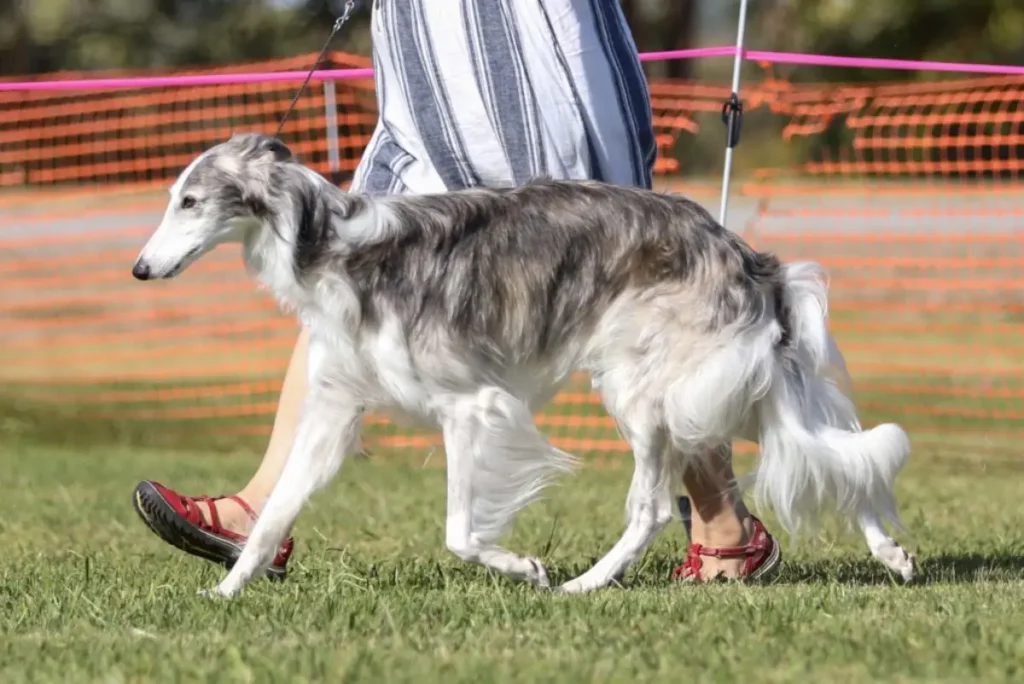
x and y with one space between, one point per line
884 548
498 462
648 507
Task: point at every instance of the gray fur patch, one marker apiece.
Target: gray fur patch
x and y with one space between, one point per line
509 273
525 269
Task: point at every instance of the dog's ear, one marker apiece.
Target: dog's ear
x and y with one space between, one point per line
273 149
261 148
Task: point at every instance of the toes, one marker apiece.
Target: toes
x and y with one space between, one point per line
539 576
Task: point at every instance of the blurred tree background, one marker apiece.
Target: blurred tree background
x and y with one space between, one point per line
38 36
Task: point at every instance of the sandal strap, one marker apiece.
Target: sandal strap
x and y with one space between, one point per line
192 502
244 505
726 551
760 543
211 504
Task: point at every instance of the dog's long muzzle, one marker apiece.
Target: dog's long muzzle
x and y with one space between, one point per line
143 270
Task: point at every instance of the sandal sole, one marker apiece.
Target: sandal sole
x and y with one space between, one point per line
161 518
766 570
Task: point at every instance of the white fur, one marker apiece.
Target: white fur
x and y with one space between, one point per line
812 447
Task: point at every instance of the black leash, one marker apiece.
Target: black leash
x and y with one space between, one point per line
350 7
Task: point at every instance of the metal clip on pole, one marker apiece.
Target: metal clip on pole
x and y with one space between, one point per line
732 117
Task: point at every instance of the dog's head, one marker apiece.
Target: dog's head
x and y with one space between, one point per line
223 196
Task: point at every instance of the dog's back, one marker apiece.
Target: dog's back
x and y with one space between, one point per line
517 274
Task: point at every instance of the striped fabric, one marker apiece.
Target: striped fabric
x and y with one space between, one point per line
494 92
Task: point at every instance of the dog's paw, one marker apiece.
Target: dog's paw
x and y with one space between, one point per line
221 591
896 558
537 575
588 581
576 586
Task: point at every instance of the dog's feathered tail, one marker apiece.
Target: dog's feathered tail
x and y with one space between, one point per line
773 376
813 449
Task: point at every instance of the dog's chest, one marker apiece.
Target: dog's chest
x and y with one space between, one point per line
394 373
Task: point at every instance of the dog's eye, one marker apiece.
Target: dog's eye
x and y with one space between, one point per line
188 201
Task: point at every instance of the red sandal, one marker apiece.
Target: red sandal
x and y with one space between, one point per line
762 555
178 520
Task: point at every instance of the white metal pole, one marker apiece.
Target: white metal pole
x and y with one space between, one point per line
331 116
736 65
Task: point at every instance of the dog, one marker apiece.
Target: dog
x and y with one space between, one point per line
468 309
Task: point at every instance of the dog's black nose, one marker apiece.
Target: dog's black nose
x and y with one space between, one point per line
141 270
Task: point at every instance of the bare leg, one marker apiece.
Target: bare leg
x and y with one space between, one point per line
720 518
286 421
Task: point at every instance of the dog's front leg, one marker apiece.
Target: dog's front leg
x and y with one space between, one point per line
328 430
326 434
648 508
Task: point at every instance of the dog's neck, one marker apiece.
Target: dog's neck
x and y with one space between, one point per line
272 254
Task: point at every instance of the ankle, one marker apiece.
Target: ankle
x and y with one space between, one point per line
254 499
234 516
724 530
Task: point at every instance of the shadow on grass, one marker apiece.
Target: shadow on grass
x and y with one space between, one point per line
941 569
654 573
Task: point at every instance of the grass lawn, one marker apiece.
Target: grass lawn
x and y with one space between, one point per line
88 595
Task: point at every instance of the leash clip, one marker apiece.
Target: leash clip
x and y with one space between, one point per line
350 7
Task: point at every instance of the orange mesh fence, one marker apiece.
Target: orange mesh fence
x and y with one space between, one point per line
906 193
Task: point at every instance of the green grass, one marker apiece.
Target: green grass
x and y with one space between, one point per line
87 594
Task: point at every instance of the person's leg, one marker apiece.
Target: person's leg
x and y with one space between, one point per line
719 518
232 516
216 528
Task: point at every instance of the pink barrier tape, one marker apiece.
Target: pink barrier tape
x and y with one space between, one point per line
186 81
877 63
693 53
350 74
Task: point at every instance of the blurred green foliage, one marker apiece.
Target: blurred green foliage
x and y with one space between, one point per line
990 31
39 36
47 35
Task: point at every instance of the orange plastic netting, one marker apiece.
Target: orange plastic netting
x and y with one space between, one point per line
907 193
